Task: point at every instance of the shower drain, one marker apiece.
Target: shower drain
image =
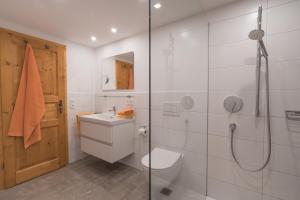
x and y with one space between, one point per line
166 191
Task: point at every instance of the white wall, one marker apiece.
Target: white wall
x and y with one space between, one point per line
81 63
170 82
180 68
81 91
232 72
139 45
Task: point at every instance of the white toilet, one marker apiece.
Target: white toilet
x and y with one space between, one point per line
165 167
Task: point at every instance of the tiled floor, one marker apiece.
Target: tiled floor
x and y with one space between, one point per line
180 193
92 179
88 179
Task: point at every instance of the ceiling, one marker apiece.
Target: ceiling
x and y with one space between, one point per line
78 20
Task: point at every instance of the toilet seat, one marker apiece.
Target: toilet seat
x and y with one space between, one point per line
161 159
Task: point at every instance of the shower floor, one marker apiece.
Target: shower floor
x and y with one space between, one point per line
181 193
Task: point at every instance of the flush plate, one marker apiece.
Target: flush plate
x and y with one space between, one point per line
171 108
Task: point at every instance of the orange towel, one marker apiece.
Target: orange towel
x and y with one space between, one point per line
126 113
30 104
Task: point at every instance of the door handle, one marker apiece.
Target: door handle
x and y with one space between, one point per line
61 106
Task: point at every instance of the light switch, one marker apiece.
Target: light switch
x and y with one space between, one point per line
72 104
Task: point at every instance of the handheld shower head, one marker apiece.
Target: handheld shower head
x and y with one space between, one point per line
256 35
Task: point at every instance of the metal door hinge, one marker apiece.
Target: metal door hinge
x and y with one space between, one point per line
61 106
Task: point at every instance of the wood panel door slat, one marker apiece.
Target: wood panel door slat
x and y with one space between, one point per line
51 99
49 123
37 170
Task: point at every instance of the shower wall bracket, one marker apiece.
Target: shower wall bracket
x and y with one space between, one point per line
293 120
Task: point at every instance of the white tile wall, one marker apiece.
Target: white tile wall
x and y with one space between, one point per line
186 133
81 63
222 32
232 60
188 75
281 185
230 55
229 172
285 75
216 99
247 152
282 18
225 191
84 102
281 134
249 128
232 71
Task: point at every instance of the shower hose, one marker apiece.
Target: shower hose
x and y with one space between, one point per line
233 128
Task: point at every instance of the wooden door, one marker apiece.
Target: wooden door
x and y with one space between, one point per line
51 153
123 74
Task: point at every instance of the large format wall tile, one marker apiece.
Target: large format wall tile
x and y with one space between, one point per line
281 185
232 30
284 46
283 18
226 191
227 171
247 152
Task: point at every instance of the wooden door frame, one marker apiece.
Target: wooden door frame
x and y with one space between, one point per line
1 131
7 144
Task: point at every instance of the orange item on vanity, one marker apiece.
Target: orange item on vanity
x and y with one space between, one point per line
78 115
30 104
126 113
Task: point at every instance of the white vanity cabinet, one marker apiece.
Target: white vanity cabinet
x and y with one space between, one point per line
107 138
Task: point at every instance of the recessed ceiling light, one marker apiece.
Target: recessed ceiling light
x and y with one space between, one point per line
114 30
157 5
93 38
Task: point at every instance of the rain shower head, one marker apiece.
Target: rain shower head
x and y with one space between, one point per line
256 35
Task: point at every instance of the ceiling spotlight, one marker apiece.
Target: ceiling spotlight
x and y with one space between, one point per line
114 30
93 38
157 5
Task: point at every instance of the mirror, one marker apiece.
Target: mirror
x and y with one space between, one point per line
118 72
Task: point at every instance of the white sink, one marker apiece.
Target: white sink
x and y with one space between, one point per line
104 118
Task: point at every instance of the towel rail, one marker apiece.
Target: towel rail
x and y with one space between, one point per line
117 96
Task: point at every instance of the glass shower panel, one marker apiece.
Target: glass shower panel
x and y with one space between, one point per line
179 84
238 147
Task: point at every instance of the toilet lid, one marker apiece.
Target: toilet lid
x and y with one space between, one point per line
161 158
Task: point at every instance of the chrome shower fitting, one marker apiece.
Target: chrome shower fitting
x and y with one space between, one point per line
261 53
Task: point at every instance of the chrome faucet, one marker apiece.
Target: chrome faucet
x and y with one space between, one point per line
113 109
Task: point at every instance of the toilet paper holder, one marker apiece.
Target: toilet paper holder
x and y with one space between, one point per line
142 130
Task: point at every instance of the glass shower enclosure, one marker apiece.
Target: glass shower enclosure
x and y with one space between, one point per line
207 73
179 92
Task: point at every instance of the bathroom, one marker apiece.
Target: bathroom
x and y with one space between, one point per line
150 99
